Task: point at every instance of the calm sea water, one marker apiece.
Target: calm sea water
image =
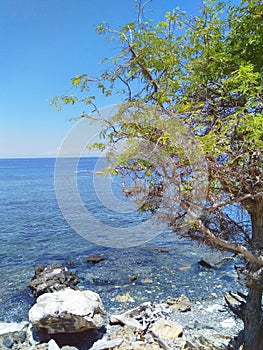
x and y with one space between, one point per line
33 230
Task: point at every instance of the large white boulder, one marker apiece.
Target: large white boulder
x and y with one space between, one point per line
68 311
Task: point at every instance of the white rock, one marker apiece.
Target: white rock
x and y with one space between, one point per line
228 323
52 345
214 307
6 328
68 311
106 344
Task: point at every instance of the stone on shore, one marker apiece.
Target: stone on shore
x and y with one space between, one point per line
6 328
140 317
181 303
51 278
167 329
68 311
13 335
52 345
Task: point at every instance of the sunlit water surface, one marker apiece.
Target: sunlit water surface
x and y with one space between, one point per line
33 231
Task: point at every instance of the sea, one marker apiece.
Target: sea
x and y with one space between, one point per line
151 263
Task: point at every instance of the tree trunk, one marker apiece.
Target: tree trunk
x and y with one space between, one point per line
253 321
253 316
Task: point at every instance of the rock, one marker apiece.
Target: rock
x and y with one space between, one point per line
131 339
103 344
7 328
52 345
181 303
236 303
139 345
214 259
147 280
167 329
128 321
51 278
101 281
68 311
205 264
161 250
215 308
41 347
22 336
207 339
184 268
140 317
95 259
8 342
125 298
228 323
133 278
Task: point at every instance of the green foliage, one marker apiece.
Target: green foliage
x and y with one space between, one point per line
191 93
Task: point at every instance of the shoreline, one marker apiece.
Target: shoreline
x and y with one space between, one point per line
208 323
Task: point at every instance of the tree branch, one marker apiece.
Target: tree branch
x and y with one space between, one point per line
234 248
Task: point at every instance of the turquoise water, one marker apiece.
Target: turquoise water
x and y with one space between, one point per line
33 230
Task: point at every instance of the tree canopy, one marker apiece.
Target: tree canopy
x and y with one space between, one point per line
191 119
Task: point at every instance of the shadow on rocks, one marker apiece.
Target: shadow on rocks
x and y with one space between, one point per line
79 340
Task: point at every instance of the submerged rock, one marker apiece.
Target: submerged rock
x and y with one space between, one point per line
133 278
68 311
95 259
214 260
125 298
51 278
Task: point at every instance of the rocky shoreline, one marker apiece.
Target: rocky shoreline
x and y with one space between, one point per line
66 318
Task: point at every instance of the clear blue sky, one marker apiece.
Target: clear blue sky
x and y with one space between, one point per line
44 43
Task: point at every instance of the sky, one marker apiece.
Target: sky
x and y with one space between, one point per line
43 44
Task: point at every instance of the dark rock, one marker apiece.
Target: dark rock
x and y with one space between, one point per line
133 278
161 250
100 281
214 260
19 337
205 264
8 342
51 278
95 259
22 336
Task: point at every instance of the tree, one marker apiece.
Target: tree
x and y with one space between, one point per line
191 116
